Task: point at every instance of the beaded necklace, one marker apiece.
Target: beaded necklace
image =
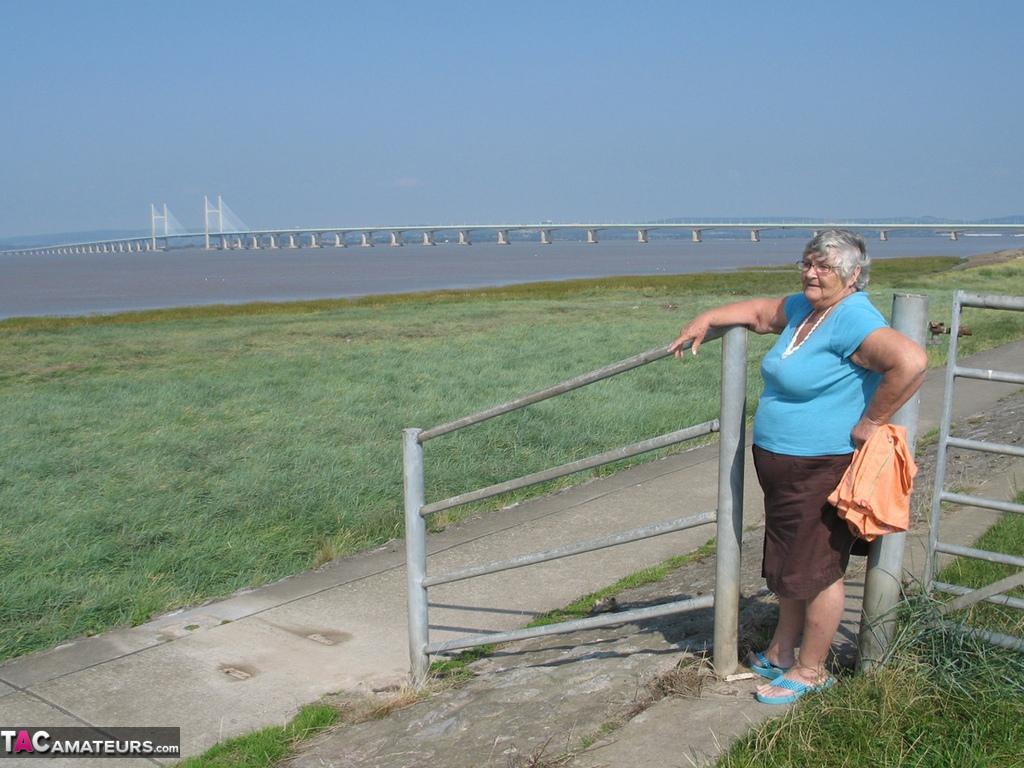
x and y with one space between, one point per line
792 347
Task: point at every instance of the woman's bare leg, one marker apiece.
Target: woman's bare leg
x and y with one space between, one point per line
821 622
781 650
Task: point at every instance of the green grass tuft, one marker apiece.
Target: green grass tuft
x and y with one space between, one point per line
455 667
943 699
269 746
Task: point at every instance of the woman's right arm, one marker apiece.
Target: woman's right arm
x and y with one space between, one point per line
759 315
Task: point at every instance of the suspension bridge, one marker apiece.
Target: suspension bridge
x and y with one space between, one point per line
224 230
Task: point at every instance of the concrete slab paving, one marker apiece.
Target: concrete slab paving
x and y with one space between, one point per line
343 626
211 684
710 722
76 656
22 709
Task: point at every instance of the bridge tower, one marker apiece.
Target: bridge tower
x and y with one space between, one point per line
153 216
207 210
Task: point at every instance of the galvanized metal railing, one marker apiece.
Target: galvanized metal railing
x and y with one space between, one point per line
728 516
993 592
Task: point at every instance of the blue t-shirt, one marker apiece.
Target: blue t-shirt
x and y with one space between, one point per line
814 397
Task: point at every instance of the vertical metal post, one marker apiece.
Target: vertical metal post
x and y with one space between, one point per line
731 445
415 553
883 582
946 424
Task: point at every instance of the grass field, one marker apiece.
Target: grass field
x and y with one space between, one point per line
156 459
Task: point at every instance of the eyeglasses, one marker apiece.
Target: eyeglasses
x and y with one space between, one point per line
821 269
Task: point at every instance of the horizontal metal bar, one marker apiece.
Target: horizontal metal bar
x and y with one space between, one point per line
991 301
956 589
1007 377
978 445
637 534
995 638
980 554
558 389
973 596
966 500
598 460
591 622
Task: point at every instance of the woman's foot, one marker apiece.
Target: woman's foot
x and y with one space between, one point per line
767 663
799 680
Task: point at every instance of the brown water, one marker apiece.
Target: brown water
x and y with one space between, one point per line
112 282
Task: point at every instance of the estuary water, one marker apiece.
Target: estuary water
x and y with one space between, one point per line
76 284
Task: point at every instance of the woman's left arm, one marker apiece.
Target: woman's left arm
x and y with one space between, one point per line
902 364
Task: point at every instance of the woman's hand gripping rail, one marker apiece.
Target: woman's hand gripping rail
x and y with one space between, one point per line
759 315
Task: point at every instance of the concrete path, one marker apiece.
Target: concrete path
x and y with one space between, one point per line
232 666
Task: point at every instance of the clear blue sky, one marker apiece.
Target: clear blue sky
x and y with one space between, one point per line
361 113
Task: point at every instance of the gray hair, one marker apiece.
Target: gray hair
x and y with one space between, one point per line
845 251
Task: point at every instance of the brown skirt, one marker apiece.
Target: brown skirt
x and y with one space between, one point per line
806 544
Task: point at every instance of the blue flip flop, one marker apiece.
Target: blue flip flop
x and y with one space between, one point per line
763 667
798 689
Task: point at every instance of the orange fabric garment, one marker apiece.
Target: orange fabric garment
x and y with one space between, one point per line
874 494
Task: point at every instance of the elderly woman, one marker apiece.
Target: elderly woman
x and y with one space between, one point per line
835 375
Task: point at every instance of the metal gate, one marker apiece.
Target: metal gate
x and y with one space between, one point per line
994 592
882 583
728 517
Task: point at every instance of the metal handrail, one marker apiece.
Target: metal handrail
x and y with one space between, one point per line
626 537
591 462
991 301
1008 642
986 374
967 500
986 447
979 554
591 622
728 515
956 589
561 388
